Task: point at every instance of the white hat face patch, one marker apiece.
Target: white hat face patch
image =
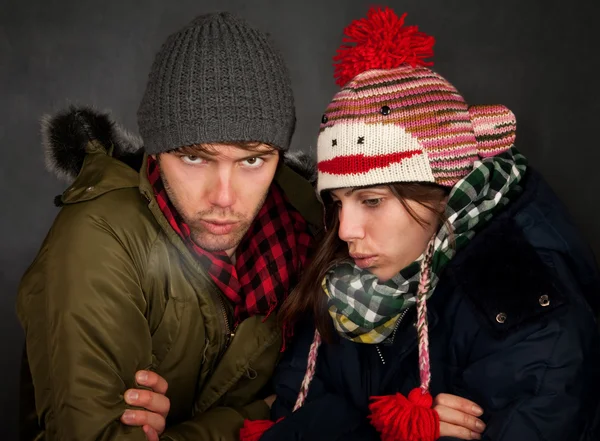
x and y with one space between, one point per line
357 154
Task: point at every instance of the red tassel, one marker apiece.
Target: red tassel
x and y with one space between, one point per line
380 41
254 430
401 419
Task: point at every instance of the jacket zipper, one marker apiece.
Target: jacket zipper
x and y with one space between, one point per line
229 333
393 337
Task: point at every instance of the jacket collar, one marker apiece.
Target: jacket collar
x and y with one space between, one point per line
100 174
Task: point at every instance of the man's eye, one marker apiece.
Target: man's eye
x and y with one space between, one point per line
191 159
372 202
253 162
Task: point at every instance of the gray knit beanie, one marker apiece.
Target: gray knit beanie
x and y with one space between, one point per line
217 80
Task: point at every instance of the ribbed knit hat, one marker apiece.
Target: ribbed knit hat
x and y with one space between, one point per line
396 120
217 80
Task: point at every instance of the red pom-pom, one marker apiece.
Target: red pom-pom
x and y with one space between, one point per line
399 419
380 41
254 430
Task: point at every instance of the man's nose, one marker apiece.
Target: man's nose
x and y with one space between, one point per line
222 193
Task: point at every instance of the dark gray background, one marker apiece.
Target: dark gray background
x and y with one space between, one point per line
538 57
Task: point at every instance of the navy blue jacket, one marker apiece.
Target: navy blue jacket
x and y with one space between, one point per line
536 374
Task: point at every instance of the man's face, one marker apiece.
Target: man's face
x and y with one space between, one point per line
218 190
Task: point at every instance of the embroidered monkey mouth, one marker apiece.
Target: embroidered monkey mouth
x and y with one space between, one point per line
355 164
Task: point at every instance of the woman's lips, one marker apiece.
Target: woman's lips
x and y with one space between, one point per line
363 261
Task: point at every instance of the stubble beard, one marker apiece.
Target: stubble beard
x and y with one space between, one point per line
204 238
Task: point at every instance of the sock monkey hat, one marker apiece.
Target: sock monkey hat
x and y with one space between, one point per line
396 120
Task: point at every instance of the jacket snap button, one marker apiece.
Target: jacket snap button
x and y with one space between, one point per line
544 300
501 318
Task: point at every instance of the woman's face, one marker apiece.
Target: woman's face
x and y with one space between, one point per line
381 234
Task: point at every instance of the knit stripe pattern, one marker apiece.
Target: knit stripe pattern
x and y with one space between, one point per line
495 128
406 125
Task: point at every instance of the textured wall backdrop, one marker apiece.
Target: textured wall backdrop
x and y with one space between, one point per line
538 57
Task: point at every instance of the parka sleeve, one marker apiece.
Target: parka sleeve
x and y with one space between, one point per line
82 308
216 424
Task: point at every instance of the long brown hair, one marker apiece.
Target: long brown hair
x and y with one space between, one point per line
308 297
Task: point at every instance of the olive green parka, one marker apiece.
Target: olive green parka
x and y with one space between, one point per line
114 290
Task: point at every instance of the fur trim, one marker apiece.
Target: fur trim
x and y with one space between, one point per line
303 164
65 136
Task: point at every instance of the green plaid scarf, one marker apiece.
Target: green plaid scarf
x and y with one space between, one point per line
365 310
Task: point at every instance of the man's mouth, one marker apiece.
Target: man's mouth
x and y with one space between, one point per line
219 227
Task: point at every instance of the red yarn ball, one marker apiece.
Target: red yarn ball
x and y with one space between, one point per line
419 398
399 419
380 41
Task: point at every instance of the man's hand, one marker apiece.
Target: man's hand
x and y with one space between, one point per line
458 417
155 403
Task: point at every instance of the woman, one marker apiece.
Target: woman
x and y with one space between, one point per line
448 267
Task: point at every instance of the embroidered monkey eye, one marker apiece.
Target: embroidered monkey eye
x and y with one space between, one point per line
385 110
333 142
361 140
324 119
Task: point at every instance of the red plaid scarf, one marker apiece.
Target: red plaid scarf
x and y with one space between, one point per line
268 259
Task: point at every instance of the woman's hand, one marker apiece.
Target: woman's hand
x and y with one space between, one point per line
155 403
458 417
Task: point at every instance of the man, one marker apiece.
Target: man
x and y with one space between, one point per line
166 268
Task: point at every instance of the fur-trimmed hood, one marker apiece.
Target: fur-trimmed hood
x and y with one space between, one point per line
66 134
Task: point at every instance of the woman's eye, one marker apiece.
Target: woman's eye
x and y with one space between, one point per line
253 162
191 159
372 202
